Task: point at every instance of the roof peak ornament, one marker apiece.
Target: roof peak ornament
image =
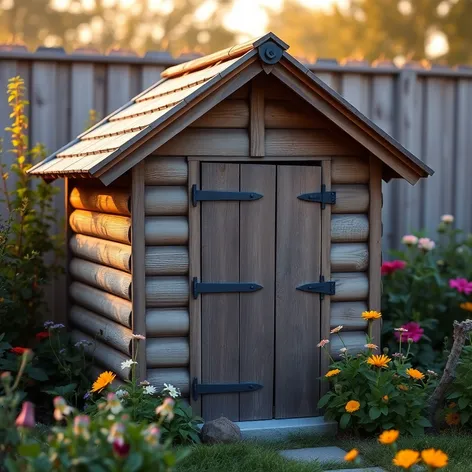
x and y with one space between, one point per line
270 52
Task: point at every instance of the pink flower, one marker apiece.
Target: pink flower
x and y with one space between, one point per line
323 343
410 240
393 266
447 219
461 285
426 244
411 330
26 417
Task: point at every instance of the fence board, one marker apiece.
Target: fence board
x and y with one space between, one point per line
428 110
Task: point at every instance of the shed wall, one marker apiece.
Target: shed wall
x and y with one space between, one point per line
99 241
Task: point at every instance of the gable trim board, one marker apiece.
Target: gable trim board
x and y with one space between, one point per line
109 163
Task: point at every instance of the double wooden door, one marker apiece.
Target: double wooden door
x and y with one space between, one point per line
268 336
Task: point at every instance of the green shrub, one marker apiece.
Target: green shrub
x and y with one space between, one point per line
27 235
372 392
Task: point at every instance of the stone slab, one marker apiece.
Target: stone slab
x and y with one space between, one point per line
274 430
321 454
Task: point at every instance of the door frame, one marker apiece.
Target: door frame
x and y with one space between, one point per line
194 220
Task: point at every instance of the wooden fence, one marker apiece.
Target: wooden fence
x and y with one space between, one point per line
429 110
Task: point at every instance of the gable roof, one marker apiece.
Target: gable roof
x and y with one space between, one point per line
189 90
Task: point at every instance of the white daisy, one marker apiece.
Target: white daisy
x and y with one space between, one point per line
127 364
171 390
149 390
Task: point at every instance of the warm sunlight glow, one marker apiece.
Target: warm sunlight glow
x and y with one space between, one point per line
436 44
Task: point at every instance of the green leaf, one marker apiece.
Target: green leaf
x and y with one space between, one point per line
29 449
374 413
463 402
454 395
37 374
344 421
422 421
133 463
324 400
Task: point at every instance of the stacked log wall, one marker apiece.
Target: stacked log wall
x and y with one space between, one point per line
100 272
166 268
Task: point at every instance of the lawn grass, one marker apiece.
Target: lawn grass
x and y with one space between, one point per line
263 456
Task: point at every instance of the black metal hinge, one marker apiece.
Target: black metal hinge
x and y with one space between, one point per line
223 287
322 287
323 197
210 389
221 195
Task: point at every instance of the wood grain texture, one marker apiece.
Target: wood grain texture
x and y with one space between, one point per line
326 268
99 276
354 341
350 286
350 170
195 305
257 127
287 114
349 228
165 170
108 305
256 310
348 314
68 185
351 199
297 262
349 257
167 352
207 142
165 200
166 260
101 329
220 312
166 230
375 244
101 225
227 114
106 356
162 322
138 258
178 377
105 200
164 292
301 142
102 251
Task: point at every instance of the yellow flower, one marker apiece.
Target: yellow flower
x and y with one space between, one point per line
406 458
453 419
332 373
352 406
467 306
351 455
389 437
385 398
371 315
404 388
415 374
104 379
434 458
379 361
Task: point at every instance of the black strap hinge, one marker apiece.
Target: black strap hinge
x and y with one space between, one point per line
323 197
210 389
221 195
322 287
223 287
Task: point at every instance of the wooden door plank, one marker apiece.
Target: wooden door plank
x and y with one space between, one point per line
257 256
297 325
220 312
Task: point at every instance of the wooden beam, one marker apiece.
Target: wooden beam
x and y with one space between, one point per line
138 248
195 306
326 272
375 243
165 131
68 184
257 125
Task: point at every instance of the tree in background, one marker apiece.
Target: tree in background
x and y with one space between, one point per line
374 29
173 25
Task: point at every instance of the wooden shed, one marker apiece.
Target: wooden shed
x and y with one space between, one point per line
231 213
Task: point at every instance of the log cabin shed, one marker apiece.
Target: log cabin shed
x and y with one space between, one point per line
231 213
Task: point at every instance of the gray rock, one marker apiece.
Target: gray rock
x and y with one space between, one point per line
220 431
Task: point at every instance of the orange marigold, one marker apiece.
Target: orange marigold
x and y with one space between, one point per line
379 361
415 374
332 373
434 458
351 455
453 419
352 406
406 458
371 315
389 437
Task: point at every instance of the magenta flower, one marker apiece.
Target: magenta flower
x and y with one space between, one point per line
413 331
461 285
393 266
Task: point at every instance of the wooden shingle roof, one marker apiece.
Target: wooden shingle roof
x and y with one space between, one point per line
122 139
